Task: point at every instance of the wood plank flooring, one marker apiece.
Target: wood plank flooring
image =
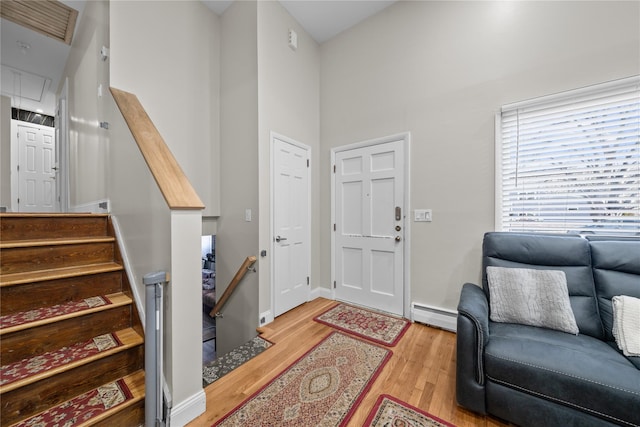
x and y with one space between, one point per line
421 371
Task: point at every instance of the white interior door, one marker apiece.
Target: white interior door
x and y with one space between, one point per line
291 219
369 224
36 173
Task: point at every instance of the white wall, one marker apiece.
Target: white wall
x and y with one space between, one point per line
441 70
288 104
167 54
5 152
236 238
87 141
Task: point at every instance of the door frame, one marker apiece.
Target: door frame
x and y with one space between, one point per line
62 147
405 137
16 148
272 137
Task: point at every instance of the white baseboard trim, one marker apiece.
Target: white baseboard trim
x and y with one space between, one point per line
135 286
98 206
320 292
188 409
265 318
434 316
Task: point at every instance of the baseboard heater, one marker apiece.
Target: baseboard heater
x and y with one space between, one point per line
434 316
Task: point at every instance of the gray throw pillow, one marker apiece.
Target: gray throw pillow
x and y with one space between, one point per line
531 297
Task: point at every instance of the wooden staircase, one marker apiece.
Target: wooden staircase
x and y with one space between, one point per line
62 285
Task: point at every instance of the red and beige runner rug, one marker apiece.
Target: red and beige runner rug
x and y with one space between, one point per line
371 325
389 411
323 387
23 317
53 359
82 408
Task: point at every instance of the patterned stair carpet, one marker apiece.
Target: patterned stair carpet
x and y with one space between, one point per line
45 362
82 408
23 317
230 361
390 411
323 387
377 327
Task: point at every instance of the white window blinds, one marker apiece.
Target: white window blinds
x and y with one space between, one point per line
570 163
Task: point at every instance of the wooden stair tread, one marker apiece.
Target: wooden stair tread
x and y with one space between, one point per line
7 244
51 214
127 337
68 325
12 279
117 300
135 384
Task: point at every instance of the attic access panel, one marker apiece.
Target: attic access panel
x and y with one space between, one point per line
51 17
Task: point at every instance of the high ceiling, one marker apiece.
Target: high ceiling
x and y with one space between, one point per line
322 19
32 64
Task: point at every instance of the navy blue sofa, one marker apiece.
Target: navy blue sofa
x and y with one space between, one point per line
533 376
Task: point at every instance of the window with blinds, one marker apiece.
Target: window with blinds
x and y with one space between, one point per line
570 163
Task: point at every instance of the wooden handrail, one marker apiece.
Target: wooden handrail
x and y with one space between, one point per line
246 265
173 183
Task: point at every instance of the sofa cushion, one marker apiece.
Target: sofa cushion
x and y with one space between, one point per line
616 271
531 297
578 371
549 252
635 360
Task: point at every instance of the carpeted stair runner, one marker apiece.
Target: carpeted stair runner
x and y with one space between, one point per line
40 314
34 368
91 406
230 361
71 344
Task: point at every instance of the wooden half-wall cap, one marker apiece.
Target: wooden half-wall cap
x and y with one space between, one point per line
172 182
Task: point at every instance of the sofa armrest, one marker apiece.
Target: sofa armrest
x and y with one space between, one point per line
472 337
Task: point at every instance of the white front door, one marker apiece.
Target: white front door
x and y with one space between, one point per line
291 219
369 226
36 173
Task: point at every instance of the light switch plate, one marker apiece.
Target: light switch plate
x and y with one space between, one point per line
422 215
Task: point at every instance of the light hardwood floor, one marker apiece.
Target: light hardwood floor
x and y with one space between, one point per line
421 371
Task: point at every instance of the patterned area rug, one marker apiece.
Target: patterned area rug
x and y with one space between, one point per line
23 317
389 411
230 361
47 361
82 408
323 387
377 327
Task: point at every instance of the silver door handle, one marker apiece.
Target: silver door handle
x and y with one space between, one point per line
279 239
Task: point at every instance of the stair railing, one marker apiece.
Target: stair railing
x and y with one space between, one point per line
246 266
172 182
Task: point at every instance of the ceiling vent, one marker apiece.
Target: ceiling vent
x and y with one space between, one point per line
50 17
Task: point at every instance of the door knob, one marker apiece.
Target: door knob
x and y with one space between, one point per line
279 239
398 238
